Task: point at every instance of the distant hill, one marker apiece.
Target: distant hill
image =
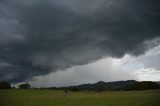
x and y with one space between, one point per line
94 86
144 85
116 85
120 84
113 86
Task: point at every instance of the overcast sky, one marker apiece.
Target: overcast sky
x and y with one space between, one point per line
70 42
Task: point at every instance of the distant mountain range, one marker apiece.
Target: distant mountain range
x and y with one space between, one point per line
116 85
111 85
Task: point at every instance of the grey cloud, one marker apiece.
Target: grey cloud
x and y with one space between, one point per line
48 35
106 69
151 59
9 26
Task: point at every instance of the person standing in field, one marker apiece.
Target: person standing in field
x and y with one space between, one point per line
66 92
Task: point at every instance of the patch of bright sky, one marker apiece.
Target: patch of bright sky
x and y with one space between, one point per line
106 69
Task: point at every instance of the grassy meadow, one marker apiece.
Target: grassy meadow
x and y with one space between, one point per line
58 98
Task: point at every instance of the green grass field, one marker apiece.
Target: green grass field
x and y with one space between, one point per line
57 98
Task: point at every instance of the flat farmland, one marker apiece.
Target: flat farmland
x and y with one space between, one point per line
58 98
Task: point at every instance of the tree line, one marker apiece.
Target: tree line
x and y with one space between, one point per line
98 87
7 85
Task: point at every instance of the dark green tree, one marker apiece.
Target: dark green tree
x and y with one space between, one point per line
5 85
101 86
75 89
144 85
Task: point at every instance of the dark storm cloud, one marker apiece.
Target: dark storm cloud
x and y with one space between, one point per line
41 36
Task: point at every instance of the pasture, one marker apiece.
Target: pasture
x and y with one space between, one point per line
58 98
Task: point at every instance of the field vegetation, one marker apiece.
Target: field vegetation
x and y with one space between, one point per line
21 97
